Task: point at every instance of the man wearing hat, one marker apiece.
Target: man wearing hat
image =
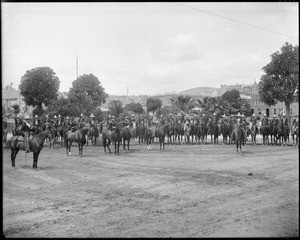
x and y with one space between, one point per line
26 128
284 120
265 121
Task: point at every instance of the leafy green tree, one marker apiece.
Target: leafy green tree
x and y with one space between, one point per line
280 83
153 104
134 107
39 86
115 107
183 102
63 107
87 93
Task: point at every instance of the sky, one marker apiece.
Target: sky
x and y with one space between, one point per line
146 48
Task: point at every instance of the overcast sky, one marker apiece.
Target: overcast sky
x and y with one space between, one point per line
148 47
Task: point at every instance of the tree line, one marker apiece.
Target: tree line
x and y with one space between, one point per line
39 87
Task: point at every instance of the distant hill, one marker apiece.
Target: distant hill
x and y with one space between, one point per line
200 91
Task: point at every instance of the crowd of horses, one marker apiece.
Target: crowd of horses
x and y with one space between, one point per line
143 133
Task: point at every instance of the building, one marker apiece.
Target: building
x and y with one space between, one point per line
250 93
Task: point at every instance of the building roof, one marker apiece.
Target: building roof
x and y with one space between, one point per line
10 93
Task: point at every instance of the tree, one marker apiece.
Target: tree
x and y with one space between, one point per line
236 103
16 109
134 107
153 104
183 102
115 107
87 93
63 107
39 86
280 83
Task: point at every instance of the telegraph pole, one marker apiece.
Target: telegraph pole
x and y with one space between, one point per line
127 95
76 66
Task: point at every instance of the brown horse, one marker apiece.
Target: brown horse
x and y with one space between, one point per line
126 135
240 137
160 133
78 136
17 142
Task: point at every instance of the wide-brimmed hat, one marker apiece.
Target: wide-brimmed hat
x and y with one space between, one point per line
47 116
203 115
36 116
59 116
92 115
214 114
54 116
253 114
238 115
67 117
27 117
283 115
224 115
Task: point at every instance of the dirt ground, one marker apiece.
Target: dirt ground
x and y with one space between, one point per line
185 191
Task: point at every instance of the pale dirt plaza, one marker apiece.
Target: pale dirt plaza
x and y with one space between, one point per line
184 191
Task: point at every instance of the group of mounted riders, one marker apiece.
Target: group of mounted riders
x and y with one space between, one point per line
196 126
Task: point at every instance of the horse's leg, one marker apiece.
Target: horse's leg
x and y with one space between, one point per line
108 144
14 152
35 158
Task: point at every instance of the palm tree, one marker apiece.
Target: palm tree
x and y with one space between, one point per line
183 103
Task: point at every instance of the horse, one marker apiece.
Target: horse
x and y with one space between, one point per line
126 135
283 134
239 136
92 135
140 131
36 142
171 133
203 132
224 129
179 132
273 132
253 132
78 136
265 133
187 131
194 132
116 138
214 131
4 131
149 135
160 133
295 134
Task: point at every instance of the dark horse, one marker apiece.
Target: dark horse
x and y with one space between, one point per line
213 129
92 135
17 142
109 136
253 132
78 136
224 129
149 135
116 138
160 133
126 135
239 136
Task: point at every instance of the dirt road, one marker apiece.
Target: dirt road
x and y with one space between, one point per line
185 191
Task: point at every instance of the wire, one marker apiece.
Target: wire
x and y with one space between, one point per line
231 19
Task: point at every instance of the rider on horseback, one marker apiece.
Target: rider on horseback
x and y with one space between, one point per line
26 128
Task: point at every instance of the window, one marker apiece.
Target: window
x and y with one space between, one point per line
274 111
259 111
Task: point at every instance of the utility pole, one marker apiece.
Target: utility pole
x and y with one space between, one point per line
76 66
127 95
